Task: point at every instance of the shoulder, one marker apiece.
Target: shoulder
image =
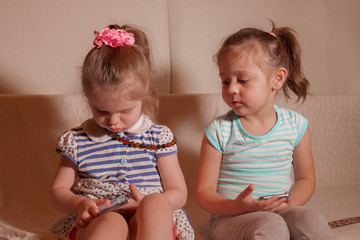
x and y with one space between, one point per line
86 132
68 143
222 123
287 115
160 131
164 138
219 131
225 119
72 135
292 122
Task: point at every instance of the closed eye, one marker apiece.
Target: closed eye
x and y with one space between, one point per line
102 112
225 82
242 81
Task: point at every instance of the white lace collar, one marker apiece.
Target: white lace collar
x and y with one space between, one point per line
99 134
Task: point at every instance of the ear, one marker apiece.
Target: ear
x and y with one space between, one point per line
279 78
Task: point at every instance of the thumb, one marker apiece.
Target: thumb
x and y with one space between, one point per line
247 191
137 195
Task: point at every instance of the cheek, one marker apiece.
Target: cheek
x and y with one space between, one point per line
225 93
225 97
99 119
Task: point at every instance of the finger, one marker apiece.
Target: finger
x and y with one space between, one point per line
80 223
87 216
94 212
275 204
137 195
99 202
247 191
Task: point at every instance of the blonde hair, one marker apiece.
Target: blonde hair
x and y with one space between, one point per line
278 48
108 67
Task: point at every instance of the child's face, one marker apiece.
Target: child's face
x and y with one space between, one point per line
115 110
245 86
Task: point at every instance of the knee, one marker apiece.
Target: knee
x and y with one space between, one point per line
307 222
271 224
155 200
107 226
299 214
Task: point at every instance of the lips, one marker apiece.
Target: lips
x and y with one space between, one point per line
115 130
236 103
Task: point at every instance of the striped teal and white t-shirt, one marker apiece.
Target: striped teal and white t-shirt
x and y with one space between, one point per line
265 161
101 157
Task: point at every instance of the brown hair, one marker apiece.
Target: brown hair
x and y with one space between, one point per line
279 48
108 67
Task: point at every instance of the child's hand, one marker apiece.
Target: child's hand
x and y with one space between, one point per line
273 204
285 204
129 209
246 201
87 210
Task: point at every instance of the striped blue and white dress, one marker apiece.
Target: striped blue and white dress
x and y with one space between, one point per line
106 166
264 161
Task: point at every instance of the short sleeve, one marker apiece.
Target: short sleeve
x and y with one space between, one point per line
67 146
212 132
301 124
165 137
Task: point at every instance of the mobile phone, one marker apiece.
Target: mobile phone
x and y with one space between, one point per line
285 195
114 204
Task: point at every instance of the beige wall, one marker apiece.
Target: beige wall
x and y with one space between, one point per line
43 42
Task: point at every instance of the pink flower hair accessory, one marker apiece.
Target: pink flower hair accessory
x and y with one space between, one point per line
113 38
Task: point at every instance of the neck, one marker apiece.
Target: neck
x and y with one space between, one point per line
259 124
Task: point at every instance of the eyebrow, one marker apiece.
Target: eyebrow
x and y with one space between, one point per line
245 72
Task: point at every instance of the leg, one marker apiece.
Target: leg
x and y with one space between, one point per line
108 226
153 219
305 223
255 225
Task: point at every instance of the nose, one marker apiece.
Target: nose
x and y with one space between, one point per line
113 119
233 88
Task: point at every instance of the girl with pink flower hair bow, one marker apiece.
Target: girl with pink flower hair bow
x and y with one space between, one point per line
120 151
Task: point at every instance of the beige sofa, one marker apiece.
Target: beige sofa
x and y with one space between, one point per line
30 124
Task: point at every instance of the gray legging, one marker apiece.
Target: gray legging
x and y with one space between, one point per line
294 223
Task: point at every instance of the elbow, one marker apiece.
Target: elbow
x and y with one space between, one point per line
182 199
199 198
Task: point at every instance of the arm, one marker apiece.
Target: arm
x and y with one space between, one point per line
304 172
173 180
206 181
60 194
65 200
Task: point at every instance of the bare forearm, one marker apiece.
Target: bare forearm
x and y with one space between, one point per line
302 191
64 200
216 204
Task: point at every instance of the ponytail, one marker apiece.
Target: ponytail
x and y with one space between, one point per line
289 56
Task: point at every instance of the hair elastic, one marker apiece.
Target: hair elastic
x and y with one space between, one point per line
113 38
273 34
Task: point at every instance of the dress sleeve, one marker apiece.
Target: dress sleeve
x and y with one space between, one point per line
67 146
166 136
